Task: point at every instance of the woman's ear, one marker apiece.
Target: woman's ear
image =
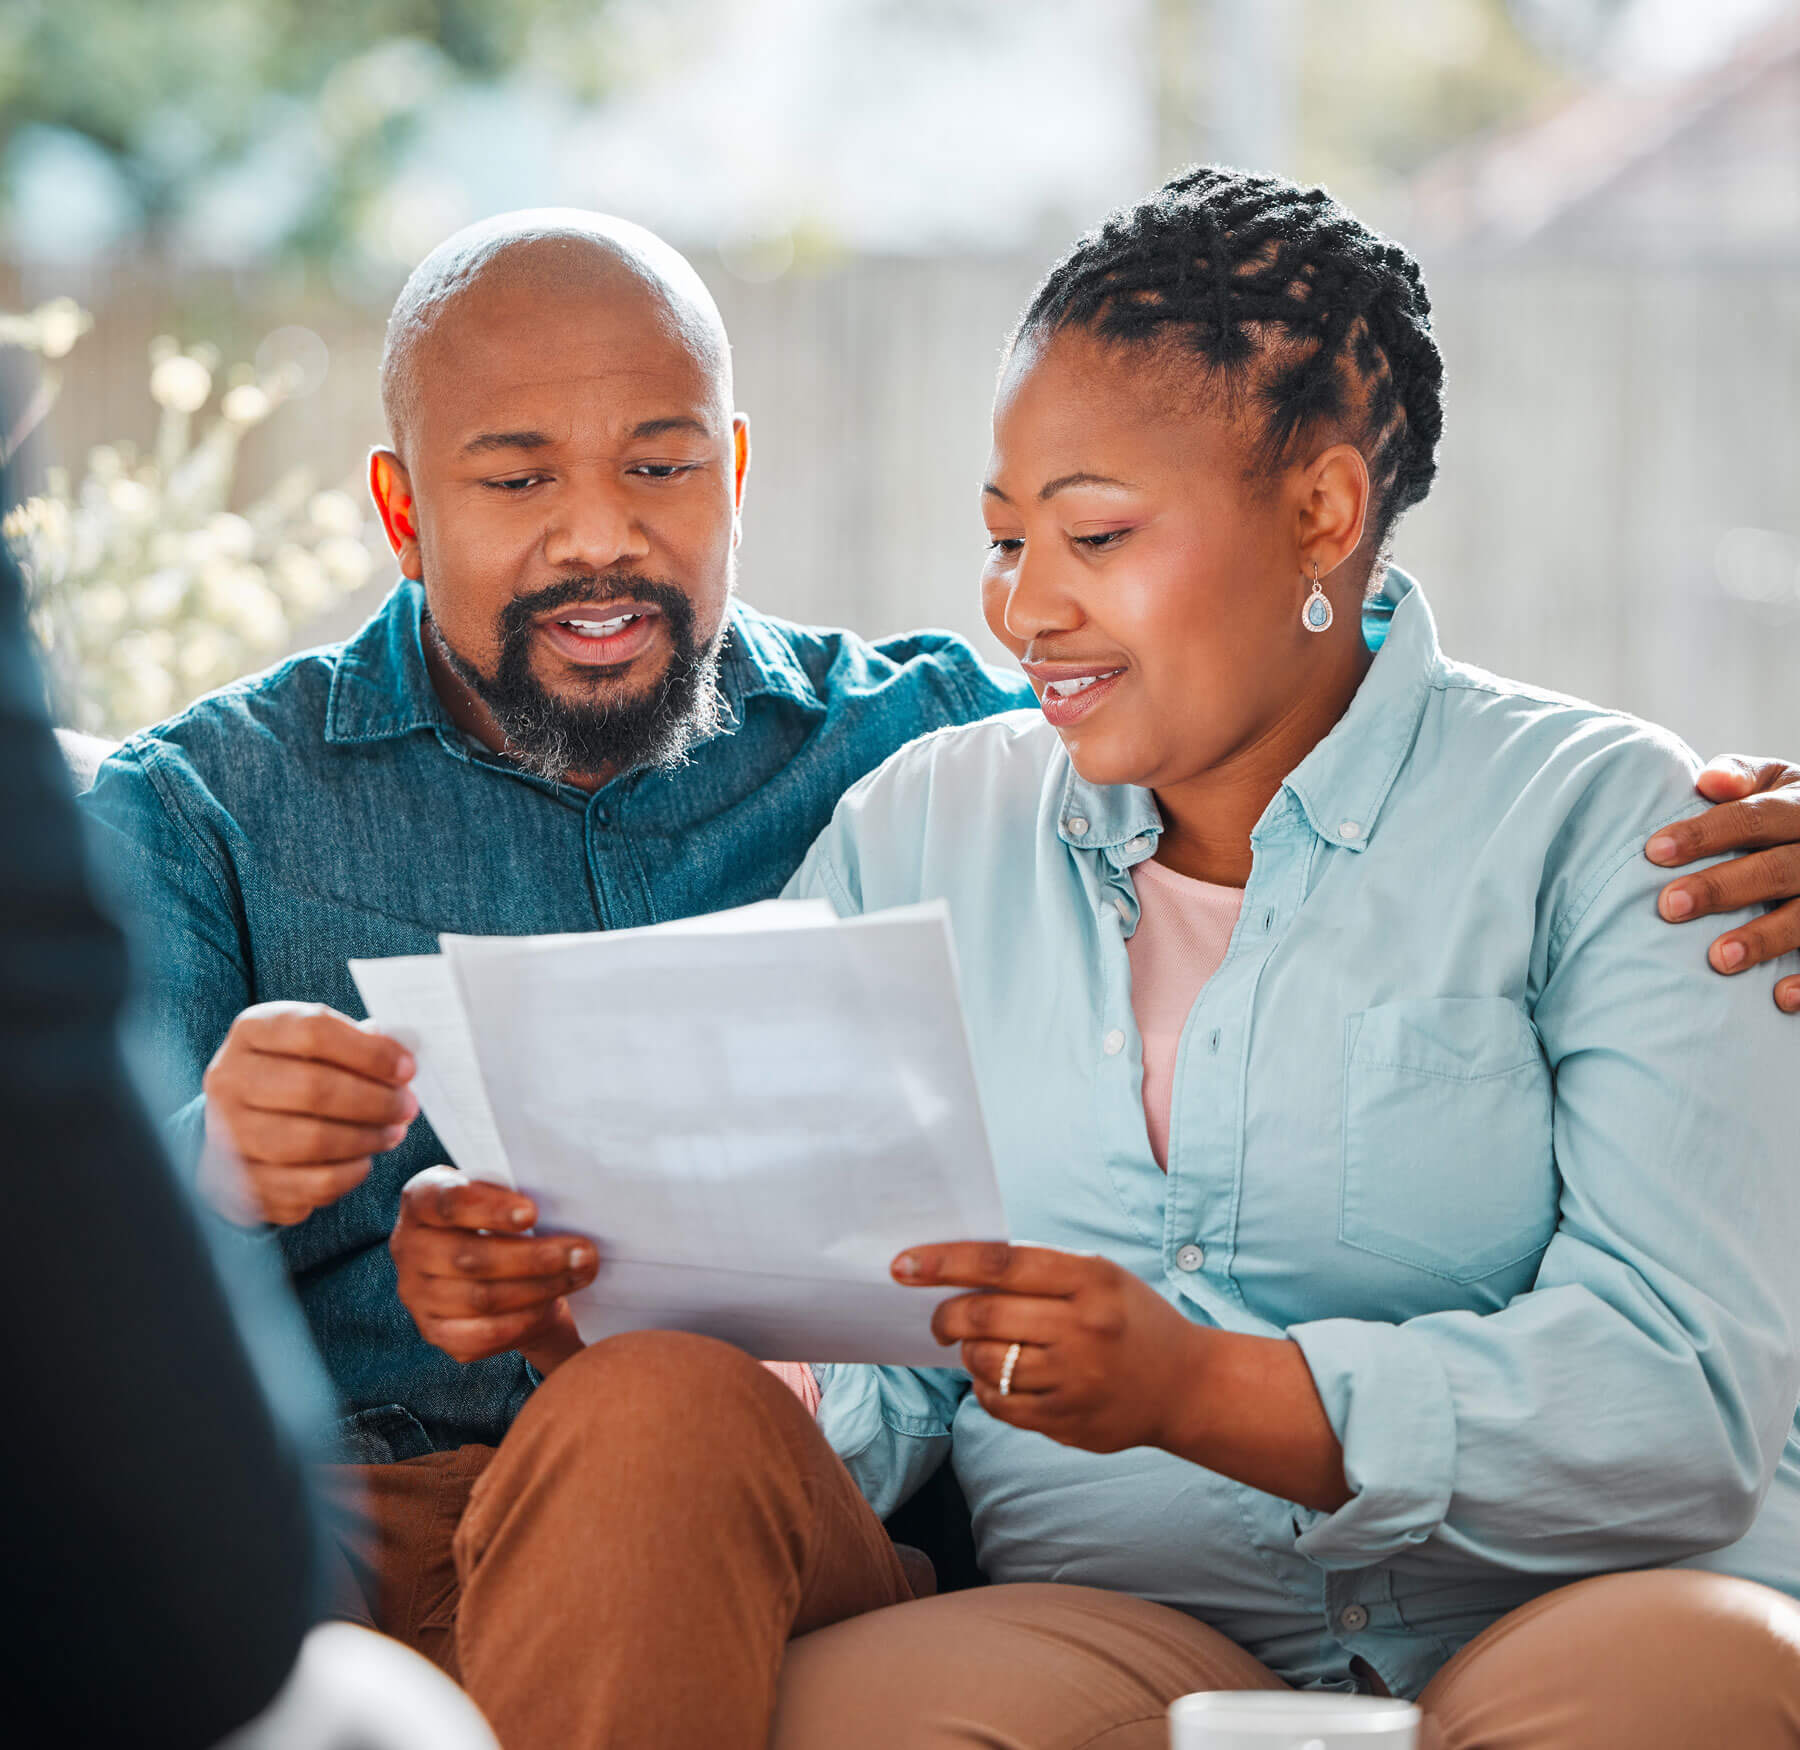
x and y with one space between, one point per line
391 488
1334 509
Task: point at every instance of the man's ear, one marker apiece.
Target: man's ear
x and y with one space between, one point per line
391 488
740 444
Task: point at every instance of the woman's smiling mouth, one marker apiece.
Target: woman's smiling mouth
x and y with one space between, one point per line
1067 694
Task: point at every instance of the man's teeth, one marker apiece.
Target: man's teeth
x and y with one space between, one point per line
1080 684
602 628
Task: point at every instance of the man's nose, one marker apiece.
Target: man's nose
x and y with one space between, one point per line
594 526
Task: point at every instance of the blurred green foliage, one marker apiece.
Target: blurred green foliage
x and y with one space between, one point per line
175 89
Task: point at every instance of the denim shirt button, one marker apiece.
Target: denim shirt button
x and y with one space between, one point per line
1077 825
1353 1619
1113 1043
1189 1259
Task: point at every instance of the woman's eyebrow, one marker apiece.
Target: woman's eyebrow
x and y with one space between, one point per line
1064 481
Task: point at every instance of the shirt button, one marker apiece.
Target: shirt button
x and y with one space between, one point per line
1077 825
1122 907
1353 1619
1350 829
1189 1258
1113 1043
1140 843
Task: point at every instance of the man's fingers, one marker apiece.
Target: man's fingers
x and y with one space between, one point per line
1730 776
1770 818
476 1339
288 1194
306 1087
313 1031
279 1140
1761 878
460 1255
1756 943
450 1297
444 1197
993 1264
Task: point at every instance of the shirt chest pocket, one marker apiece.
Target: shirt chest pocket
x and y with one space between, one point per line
1448 1165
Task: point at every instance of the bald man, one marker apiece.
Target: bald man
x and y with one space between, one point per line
560 720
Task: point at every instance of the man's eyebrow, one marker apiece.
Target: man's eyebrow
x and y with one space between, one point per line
505 440
650 428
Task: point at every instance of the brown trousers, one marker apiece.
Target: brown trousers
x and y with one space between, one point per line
666 1552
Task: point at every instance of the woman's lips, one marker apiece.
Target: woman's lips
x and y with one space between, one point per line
1069 698
602 637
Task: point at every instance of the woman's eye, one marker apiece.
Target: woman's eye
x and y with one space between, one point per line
1099 543
1005 544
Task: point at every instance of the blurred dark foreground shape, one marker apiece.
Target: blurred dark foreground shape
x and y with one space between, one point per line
159 1538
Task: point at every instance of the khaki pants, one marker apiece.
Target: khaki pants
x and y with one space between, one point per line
665 1551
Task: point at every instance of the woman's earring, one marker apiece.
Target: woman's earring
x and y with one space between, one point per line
1315 612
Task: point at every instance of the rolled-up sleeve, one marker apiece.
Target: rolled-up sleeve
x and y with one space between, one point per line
1632 1406
890 1425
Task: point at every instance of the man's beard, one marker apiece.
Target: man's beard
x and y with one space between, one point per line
550 736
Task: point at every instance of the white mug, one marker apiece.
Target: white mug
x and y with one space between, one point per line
1253 1719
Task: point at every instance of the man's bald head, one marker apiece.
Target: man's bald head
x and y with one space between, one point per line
553 252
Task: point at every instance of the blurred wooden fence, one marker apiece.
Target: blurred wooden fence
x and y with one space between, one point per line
1612 433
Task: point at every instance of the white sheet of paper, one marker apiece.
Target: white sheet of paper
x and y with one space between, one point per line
413 998
750 1121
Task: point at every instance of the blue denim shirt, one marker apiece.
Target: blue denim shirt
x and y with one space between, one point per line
331 809
1458 1114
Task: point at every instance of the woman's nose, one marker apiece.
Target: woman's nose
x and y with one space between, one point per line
1037 601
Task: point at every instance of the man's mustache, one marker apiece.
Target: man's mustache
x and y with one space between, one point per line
597 589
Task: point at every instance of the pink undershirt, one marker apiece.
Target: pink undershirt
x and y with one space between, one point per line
1184 928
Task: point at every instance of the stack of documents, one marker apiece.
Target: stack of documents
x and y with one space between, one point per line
749 1112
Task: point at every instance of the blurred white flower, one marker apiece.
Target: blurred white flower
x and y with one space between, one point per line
335 513
247 404
232 536
180 383
143 589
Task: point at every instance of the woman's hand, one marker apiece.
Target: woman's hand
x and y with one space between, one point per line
1103 1358
1756 810
1105 1363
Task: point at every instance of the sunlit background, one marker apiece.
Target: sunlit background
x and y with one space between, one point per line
208 205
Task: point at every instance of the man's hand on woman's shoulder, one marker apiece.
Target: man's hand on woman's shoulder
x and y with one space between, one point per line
304 1098
1755 814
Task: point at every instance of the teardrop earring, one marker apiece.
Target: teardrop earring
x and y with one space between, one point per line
1315 611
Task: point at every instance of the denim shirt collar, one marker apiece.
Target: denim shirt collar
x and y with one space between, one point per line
1341 785
382 688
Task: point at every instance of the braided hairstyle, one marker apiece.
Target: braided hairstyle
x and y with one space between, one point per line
1297 310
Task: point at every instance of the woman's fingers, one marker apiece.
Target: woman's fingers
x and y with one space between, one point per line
1004 1317
1033 1372
995 1264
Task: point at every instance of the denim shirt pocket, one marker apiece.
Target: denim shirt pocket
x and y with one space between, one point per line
1448 1165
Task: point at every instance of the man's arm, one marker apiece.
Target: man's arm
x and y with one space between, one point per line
1756 813
297 1096
157 1522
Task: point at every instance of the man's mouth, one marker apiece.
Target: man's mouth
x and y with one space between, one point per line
602 637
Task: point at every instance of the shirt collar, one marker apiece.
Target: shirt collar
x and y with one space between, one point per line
382 688
1342 784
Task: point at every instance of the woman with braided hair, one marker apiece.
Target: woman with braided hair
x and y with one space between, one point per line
1404 1294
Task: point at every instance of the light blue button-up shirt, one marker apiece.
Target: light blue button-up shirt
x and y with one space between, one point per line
1458 1114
